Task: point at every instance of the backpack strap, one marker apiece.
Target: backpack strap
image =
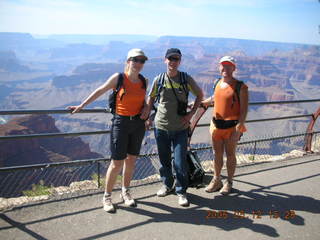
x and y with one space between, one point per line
143 80
119 84
237 92
215 85
238 89
214 88
160 85
112 99
184 82
120 81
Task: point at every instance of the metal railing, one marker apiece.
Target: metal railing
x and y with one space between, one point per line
79 170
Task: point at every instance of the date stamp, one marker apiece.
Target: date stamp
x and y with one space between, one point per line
255 214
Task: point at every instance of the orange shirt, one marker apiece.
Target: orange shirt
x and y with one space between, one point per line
226 103
130 98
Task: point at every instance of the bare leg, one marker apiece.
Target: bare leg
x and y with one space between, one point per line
218 146
230 147
112 173
129 164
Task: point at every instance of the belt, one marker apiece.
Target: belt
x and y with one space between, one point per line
224 124
135 117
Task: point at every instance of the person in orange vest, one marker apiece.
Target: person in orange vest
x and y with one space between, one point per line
128 126
227 125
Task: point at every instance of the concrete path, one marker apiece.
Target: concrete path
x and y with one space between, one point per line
278 200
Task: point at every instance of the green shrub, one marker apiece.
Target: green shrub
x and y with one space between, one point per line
37 190
94 177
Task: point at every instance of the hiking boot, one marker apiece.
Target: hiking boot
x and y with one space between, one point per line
214 185
183 201
164 191
126 197
107 204
226 189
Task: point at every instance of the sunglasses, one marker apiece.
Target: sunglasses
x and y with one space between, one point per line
174 59
138 60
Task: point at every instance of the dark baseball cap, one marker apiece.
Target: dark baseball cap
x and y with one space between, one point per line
173 51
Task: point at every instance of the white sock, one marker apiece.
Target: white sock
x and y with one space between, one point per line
124 189
106 194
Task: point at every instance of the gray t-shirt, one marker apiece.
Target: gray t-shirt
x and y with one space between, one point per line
167 117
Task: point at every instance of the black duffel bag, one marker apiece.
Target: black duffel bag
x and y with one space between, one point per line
196 172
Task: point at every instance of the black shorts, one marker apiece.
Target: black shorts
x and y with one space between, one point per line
126 136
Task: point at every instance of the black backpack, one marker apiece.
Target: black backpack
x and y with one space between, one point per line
196 172
113 96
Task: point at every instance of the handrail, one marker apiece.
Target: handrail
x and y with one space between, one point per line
105 110
54 164
47 135
44 135
285 102
57 111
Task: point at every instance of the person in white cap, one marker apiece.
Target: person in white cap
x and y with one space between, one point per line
230 99
128 128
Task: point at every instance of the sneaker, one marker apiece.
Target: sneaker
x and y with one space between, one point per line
214 185
183 201
164 191
227 186
126 197
107 204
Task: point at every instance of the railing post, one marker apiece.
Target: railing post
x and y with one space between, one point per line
99 184
254 150
309 132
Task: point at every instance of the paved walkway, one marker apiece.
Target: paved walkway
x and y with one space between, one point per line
270 200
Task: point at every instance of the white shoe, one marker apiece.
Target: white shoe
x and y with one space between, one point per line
164 191
128 200
183 201
107 204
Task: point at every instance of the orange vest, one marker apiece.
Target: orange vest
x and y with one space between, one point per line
226 103
130 98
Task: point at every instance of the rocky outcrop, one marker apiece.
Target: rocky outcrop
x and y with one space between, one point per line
39 150
10 63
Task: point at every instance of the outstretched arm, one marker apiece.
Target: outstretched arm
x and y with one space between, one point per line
109 84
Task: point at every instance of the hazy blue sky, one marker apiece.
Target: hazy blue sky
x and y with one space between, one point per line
272 20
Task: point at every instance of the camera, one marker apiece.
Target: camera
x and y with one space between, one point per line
182 108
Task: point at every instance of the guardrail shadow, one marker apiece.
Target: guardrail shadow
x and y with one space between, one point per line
239 210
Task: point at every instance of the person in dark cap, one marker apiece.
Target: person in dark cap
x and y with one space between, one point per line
171 90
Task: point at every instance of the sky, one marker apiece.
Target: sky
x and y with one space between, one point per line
295 21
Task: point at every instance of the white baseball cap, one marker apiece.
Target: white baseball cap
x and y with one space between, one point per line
228 59
136 52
